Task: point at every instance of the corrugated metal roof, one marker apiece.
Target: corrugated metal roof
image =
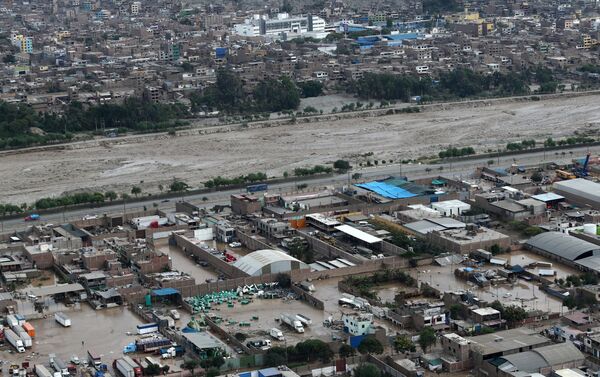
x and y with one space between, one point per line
563 245
557 354
255 261
524 361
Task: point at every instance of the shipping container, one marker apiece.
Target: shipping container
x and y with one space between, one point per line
30 329
147 328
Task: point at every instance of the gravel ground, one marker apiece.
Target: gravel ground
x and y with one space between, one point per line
147 162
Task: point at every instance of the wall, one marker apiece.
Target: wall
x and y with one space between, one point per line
329 251
189 247
309 298
250 242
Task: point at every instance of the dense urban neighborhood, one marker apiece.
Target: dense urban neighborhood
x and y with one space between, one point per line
394 188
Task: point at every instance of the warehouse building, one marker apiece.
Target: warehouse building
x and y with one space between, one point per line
567 249
267 261
579 191
541 360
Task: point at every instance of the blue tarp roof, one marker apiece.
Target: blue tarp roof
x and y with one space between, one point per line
399 37
387 190
517 269
165 292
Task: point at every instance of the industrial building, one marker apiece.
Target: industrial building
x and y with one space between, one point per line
579 191
541 360
567 249
282 25
267 261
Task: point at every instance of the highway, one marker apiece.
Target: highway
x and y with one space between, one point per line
459 169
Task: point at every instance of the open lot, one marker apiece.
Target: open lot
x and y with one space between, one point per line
522 293
267 311
103 331
149 160
183 263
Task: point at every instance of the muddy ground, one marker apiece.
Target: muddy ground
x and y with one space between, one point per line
152 160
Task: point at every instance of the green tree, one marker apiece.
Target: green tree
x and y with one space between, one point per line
152 370
367 370
136 190
275 356
110 195
537 177
311 88
178 186
427 338
299 249
190 365
342 165
403 343
346 350
370 345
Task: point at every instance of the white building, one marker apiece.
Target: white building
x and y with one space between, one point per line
267 261
451 208
136 6
282 25
357 324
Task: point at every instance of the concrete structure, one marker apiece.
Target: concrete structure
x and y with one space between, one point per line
468 239
282 25
451 207
244 204
268 262
357 324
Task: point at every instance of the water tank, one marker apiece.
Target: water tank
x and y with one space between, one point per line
589 229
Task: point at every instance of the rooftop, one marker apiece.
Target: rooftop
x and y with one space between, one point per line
358 234
507 340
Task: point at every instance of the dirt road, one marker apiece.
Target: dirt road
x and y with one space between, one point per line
196 158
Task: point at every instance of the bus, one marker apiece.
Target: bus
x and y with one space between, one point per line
258 187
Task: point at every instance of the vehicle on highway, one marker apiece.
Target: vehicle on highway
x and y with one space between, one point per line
32 217
235 244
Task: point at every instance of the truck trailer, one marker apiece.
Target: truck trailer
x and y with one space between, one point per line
14 340
42 371
292 321
63 319
127 368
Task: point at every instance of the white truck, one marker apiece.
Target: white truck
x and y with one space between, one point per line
276 334
174 314
293 322
63 319
42 371
15 340
58 365
304 319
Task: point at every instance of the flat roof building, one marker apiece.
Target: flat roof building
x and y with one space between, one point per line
579 191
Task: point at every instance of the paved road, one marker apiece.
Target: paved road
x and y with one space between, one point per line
459 169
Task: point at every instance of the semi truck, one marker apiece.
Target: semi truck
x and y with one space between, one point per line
58 365
293 322
127 367
94 360
14 340
63 319
42 371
